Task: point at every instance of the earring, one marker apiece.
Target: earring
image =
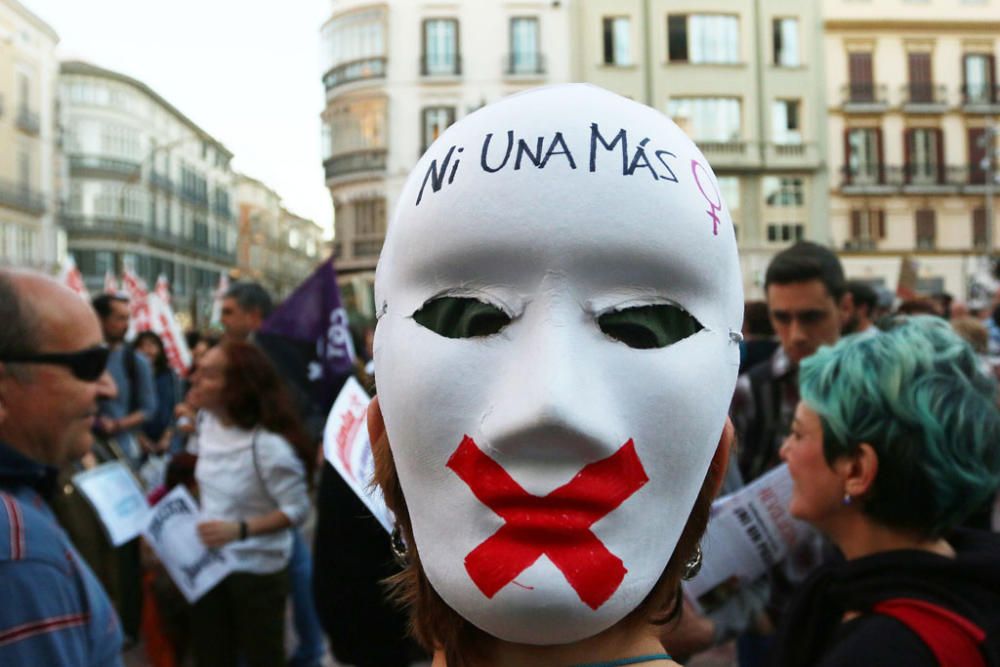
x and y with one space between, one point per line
848 499
399 548
693 565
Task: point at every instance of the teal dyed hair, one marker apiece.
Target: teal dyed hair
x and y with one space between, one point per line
917 394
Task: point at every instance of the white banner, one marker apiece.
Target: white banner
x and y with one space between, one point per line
172 532
117 498
749 532
348 449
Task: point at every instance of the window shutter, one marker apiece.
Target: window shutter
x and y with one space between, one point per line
677 45
939 142
881 223
847 156
881 158
855 224
908 167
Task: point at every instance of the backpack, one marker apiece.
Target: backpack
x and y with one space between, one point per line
953 639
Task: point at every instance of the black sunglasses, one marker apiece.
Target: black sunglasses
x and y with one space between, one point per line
87 365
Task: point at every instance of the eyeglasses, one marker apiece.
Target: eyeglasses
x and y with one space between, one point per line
87 365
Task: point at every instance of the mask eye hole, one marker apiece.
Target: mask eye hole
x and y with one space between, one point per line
461 317
648 327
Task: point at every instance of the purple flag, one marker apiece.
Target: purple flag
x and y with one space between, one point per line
314 321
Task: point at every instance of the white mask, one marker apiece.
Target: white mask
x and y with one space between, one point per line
548 466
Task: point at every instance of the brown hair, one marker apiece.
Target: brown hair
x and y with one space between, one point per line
254 395
436 625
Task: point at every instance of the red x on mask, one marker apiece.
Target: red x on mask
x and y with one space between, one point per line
556 525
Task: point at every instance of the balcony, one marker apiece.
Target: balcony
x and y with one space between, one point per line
924 98
864 98
103 167
981 98
367 248
195 197
161 182
433 66
28 121
111 229
22 198
357 162
356 70
860 244
723 148
914 178
524 65
800 155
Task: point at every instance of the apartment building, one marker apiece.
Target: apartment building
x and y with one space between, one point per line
29 233
146 187
275 247
396 74
912 93
744 80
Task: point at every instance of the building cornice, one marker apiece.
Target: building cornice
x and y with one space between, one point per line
934 26
32 18
79 67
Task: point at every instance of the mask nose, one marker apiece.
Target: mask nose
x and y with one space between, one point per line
552 404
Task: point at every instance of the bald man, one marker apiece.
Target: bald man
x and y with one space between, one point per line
52 372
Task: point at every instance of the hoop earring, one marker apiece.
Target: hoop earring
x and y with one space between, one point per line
398 546
848 499
693 565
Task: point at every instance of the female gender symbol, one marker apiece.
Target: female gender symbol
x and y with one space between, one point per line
713 206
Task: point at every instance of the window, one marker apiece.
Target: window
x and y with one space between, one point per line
524 57
859 69
920 88
786 42
977 71
867 224
925 220
864 147
785 232
24 90
357 126
978 150
785 122
441 47
703 38
617 41
24 169
924 154
369 217
435 121
729 188
783 192
355 37
979 227
708 118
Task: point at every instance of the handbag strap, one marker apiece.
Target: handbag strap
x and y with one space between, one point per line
952 638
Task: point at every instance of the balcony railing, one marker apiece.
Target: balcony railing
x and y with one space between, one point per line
103 166
367 247
860 244
864 95
912 178
980 96
110 228
524 64
195 197
21 197
723 147
28 121
373 159
161 182
438 66
356 70
919 96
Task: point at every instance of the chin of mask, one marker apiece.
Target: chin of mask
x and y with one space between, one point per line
558 295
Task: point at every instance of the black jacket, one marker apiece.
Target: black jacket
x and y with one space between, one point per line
813 635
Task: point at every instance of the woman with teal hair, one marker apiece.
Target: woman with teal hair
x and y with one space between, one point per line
896 440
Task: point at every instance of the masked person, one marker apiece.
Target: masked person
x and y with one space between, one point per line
559 306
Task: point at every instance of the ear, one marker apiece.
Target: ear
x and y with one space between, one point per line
846 305
859 471
720 462
376 425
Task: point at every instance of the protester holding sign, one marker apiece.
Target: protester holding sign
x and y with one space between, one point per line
559 307
894 443
253 489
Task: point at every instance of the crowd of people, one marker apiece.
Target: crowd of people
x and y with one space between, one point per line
568 376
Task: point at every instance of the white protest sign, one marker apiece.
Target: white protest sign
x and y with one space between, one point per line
117 499
749 531
172 532
348 449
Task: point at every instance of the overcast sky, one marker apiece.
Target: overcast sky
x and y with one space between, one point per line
246 71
